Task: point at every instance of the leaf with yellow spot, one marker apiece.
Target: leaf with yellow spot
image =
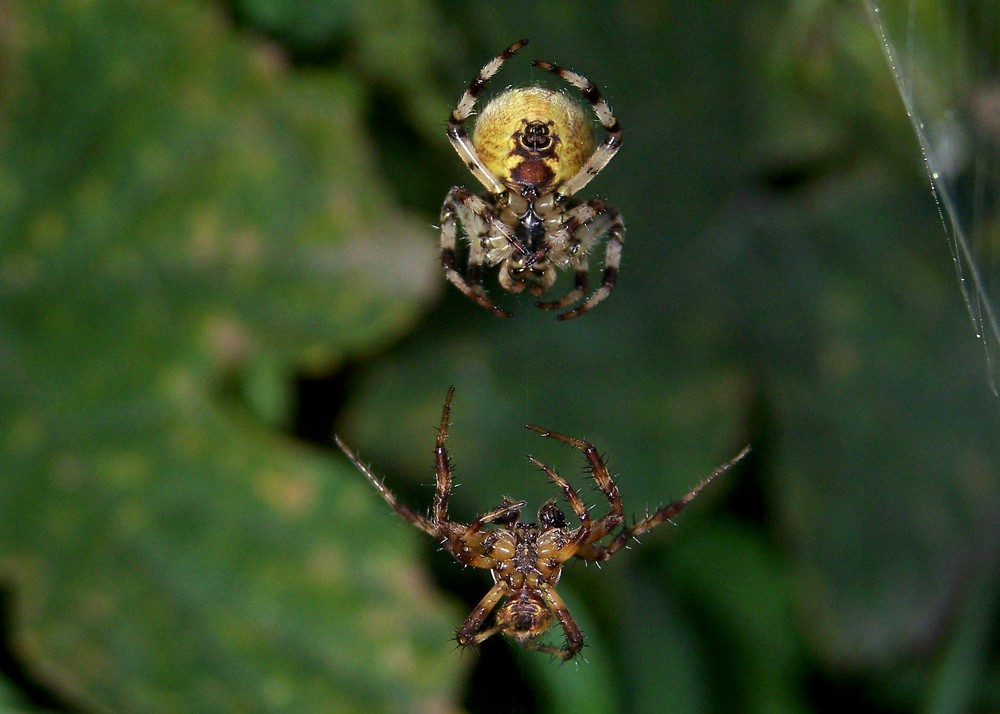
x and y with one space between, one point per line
178 206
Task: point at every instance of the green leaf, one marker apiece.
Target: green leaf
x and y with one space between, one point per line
304 24
178 208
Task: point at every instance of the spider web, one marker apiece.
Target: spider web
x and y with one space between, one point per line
945 59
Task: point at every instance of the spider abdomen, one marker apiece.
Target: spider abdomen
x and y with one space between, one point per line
533 137
524 616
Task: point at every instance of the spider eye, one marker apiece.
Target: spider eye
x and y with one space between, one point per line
550 516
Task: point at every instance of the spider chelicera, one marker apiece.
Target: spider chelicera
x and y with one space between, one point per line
526 559
532 149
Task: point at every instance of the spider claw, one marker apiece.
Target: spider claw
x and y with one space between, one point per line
485 302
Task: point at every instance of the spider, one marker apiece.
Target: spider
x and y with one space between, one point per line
526 559
532 149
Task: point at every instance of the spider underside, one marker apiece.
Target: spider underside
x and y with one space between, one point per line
526 559
532 150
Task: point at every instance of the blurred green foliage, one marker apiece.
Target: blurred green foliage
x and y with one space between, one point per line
206 205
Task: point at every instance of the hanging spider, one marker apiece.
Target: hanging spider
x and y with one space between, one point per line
526 559
532 149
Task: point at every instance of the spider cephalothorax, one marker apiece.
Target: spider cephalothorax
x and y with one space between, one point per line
533 149
526 559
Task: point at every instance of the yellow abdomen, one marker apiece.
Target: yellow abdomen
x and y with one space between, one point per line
533 136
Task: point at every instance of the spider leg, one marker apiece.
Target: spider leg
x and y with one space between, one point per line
585 224
574 638
612 262
442 463
662 514
462 541
456 132
458 199
564 240
506 512
477 253
582 534
612 142
465 543
581 282
421 522
605 483
469 633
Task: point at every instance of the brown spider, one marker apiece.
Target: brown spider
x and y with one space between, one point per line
532 149
526 559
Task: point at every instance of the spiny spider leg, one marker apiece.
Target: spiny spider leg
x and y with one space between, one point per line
421 522
591 219
563 240
574 638
460 541
612 142
456 132
605 483
468 633
582 533
581 282
612 261
661 515
472 289
501 513
572 497
442 463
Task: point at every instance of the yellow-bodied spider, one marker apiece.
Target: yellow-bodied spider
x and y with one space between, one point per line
526 559
532 149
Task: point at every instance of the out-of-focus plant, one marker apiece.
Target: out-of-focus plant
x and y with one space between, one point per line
184 224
